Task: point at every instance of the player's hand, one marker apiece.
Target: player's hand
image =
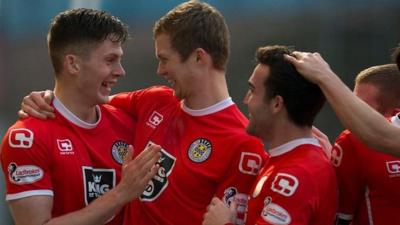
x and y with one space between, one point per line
218 213
136 173
323 141
311 65
37 104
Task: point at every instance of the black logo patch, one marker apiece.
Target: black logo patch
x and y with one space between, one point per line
97 182
160 181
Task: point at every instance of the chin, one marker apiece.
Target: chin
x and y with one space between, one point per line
103 100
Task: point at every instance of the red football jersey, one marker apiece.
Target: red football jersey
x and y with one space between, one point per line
369 182
297 186
73 161
205 153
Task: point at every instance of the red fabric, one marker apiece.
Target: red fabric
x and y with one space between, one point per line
193 178
369 182
298 186
60 154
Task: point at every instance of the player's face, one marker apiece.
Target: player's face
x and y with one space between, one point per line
370 95
170 66
259 108
100 71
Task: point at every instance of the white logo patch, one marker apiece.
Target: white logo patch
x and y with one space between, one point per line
393 168
20 138
275 214
285 184
200 150
250 163
25 174
337 155
65 147
155 119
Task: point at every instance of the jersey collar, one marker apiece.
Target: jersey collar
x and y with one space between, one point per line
72 118
289 146
209 110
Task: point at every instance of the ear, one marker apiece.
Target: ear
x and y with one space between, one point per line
71 63
278 104
201 56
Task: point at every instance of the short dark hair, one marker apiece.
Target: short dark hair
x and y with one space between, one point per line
195 24
386 78
302 99
77 30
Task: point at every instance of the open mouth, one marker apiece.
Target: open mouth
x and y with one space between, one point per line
108 84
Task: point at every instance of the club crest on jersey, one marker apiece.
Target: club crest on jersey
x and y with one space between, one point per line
200 150
159 182
274 213
20 138
25 174
97 182
119 150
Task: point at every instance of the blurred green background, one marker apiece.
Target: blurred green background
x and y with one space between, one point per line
351 35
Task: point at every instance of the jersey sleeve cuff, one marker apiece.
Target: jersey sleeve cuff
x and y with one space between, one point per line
25 194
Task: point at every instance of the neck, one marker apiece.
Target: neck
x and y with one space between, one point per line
287 132
75 103
212 89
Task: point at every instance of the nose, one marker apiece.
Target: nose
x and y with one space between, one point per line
160 69
119 70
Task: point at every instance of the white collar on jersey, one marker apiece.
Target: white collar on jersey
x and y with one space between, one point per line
396 119
289 146
72 118
209 110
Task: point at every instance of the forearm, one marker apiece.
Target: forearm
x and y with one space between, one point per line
371 127
98 212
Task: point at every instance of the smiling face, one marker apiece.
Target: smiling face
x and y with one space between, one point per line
170 66
260 114
99 72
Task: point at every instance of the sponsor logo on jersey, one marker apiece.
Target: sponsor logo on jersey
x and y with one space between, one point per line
273 213
250 163
393 168
119 150
20 138
337 155
231 194
285 184
25 174
65 147
259 186
200 150
97 182
159 182
241 209
155 119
